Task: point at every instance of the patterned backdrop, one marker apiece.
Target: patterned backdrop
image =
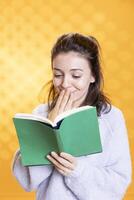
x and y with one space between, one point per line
28 29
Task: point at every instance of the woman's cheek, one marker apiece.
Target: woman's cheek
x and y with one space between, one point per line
81 86
56 84
81 89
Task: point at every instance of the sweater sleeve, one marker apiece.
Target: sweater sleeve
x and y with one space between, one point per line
30 177
104 180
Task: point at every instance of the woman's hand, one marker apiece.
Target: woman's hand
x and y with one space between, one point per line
64 103
67 100
64 163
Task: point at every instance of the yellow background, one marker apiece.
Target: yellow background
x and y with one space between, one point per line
28 29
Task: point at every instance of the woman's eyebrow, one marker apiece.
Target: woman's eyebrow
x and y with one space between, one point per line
73 69
57 69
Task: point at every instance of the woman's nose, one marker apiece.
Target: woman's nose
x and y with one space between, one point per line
65 83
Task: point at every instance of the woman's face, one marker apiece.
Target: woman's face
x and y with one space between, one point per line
71 71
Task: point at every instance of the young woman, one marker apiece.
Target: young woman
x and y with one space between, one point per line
77 81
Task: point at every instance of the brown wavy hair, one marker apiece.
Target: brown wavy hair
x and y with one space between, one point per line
89 47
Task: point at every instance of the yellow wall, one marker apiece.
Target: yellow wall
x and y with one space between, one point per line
28 29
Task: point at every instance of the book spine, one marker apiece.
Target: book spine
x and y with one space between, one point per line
59 141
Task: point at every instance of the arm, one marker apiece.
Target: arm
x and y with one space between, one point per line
30 177
105 180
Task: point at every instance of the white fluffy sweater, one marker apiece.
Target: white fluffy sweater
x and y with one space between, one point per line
103 176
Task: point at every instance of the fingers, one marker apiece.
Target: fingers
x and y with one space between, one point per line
65 164
69 103
59 100
65 100
60 162
67 156
56 110
64 103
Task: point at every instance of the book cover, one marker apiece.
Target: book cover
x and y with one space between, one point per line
75 132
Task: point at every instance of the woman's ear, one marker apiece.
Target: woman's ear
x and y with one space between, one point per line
92 79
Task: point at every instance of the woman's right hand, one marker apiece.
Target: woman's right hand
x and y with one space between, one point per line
64 103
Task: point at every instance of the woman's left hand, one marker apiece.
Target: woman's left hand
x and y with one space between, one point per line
64 163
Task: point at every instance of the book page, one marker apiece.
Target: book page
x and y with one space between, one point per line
46 120
70 112
34 117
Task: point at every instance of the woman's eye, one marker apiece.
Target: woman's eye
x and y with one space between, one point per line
57 75
76 76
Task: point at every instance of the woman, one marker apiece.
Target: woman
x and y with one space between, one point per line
77 81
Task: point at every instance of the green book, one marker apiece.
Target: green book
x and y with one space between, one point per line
75 132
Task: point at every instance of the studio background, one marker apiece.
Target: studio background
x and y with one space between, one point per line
28 30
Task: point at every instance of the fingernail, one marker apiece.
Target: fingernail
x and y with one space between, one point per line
48 156
53 153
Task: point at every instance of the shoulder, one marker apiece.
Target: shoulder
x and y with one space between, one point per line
41 109
113 113
115 118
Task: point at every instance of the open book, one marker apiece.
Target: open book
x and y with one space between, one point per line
46 120
75 132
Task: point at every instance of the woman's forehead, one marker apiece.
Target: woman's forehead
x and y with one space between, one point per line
70 60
